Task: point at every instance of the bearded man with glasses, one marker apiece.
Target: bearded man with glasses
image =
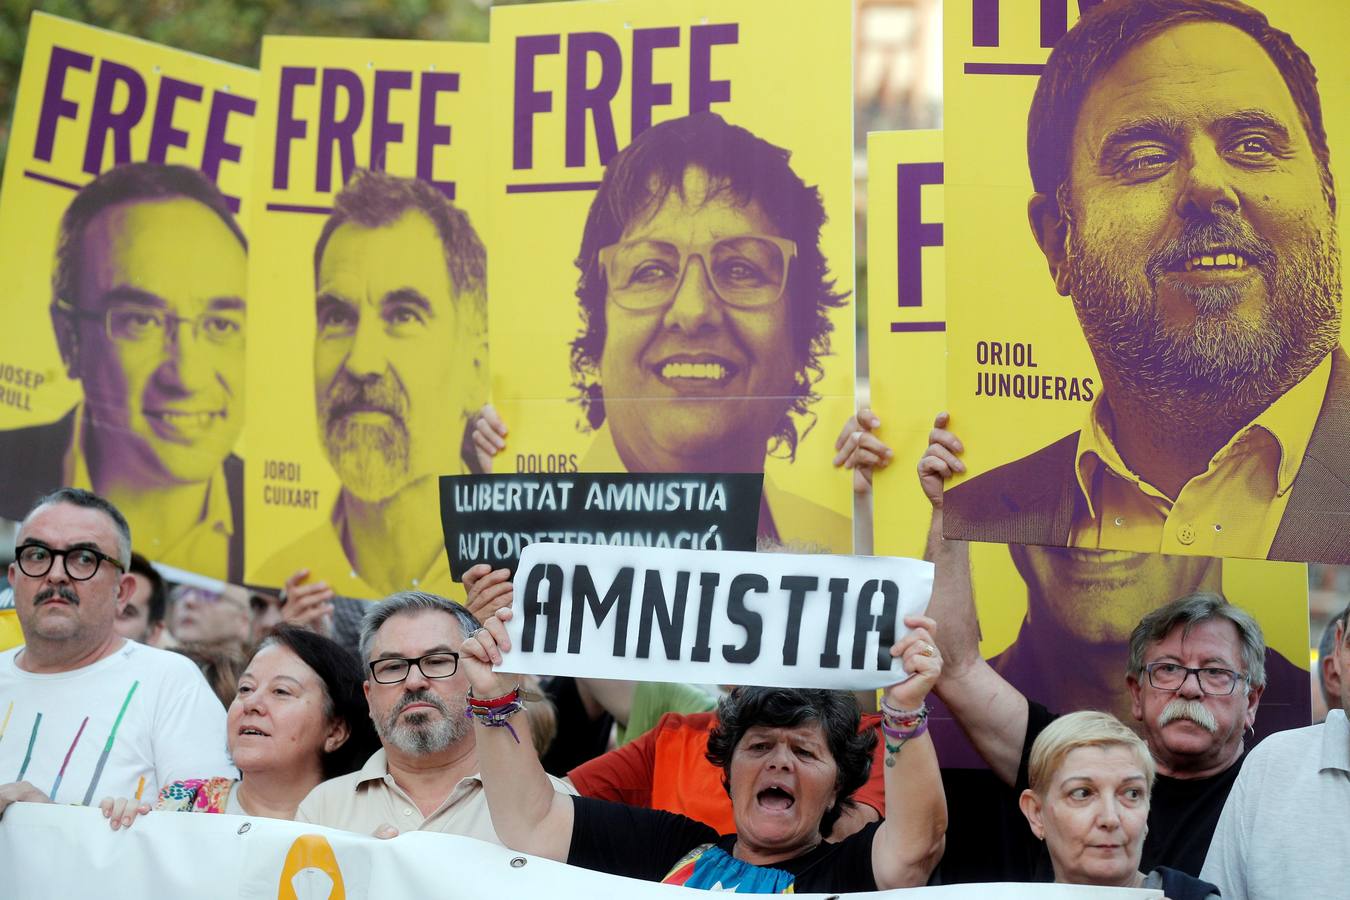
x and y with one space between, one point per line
84 712
425 776
148 303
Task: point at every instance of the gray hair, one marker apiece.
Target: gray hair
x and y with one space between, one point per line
1326 647
410 602
74 496
1192 610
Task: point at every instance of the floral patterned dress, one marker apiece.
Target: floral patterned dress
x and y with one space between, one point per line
207 795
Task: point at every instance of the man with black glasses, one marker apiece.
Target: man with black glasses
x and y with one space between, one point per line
425 776
85 713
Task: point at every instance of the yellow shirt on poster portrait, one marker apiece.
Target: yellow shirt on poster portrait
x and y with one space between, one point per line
1233 508
321 551
204 548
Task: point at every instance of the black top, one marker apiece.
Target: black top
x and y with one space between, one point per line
579 737
988 838
650 843
1181 817
1180 886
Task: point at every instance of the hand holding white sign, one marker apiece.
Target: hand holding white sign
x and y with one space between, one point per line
483 651
714 617
918 655
530 816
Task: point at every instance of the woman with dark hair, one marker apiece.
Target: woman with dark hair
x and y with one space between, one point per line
298 717
789 758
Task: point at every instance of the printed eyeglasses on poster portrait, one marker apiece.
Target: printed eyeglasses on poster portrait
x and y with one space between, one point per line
135 323
746 271
81 563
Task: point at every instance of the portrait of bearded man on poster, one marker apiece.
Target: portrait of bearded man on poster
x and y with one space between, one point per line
400 300
1184 202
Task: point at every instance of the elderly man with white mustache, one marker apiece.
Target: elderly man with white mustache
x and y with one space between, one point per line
1196 672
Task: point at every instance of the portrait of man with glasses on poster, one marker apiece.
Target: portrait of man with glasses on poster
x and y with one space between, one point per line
147 305
705 303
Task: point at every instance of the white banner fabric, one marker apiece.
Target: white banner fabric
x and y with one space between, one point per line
713 617
50 851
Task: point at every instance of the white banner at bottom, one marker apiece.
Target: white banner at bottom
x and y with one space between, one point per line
49 851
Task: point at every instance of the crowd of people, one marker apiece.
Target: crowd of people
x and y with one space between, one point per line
408 727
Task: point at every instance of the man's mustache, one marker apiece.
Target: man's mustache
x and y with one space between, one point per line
423 696
61 591
349 395
1199 237
1191 710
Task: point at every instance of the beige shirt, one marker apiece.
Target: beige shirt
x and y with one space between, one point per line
365 800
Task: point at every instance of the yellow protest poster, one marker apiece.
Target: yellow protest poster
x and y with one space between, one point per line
906 323
1039 608
122 243
11 633
1145 336
370 319
673 245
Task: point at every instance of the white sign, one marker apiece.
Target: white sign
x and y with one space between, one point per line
713 617
59 852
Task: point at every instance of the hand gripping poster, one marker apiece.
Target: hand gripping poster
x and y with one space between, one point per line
1055 622
122 240
370 274
672 270
1145 275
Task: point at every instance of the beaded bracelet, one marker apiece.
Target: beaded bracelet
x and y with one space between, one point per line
900 723
903 726
495 711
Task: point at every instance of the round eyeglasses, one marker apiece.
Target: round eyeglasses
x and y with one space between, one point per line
81 563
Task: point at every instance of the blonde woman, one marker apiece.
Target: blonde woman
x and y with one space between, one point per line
1091 778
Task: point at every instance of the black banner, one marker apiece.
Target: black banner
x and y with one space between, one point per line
491 518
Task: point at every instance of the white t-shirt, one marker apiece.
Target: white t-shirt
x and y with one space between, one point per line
96 732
